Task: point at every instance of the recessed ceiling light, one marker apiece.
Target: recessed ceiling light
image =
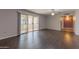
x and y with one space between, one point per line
52 14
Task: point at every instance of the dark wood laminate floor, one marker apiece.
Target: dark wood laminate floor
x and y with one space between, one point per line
43 39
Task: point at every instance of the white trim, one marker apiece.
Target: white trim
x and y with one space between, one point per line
7 37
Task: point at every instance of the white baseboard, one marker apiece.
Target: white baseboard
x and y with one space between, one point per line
1 38
55 29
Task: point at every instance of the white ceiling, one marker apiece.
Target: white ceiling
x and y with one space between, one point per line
49 11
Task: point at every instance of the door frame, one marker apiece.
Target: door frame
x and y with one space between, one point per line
62 22
18 23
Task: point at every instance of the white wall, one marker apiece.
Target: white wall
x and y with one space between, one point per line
53 22
77 22
8 23
42 20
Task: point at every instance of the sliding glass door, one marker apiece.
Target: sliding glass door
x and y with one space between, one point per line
29 23
23 23
36 23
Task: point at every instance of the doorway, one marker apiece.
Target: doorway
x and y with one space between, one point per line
67 23
28 23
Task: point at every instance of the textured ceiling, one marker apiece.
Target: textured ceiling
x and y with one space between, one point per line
49 11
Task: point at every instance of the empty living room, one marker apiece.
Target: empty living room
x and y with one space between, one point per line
39 28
